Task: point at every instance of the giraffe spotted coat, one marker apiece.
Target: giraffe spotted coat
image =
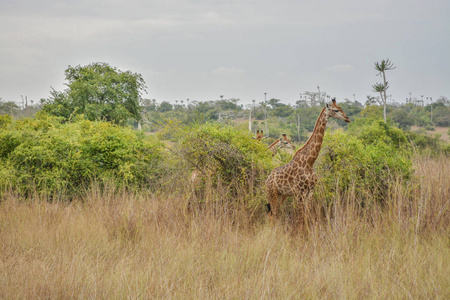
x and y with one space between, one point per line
297 178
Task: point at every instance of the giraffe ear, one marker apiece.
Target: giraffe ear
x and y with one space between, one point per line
328 106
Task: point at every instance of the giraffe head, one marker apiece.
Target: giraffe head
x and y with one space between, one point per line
336 112
259 135
280 143
285 142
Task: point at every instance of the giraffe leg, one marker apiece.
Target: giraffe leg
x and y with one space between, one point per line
273 196
272 206
275 201
303 209
275 207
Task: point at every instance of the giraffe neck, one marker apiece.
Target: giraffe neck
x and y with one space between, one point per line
273 147
312 147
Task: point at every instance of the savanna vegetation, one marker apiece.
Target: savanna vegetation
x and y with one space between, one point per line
92 207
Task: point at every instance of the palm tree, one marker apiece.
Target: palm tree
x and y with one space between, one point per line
385 65
370 100
381 88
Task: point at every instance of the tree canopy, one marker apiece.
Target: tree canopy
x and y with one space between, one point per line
100 92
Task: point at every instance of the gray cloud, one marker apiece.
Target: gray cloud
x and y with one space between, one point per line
202 49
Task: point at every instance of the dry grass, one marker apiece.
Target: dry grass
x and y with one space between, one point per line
120 245
442 131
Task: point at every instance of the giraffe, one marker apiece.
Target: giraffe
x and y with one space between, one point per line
287 141
259 135
199 174
297 178
282 142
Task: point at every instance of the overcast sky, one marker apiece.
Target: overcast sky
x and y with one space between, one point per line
201 49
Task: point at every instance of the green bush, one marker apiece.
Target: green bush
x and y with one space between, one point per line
5 120
350 164
423 143
223 150
57 160
377 131
368 158
429 127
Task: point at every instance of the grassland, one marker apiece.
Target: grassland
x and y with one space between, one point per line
442 131
117 244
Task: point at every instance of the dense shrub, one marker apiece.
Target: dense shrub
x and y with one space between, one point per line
44 155
227 152
57 159
432 145
377 131
5 120
373 131
350 164
368 158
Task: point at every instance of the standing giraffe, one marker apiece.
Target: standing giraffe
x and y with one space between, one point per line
282 142
297 178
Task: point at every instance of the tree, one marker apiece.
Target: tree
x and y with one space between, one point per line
8 108
301 104
148 105
283 111
441 115
165 106
443 100
100 92
401 117
381 88
385 65
274 103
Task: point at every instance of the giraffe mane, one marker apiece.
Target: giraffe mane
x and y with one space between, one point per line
315 129
274 143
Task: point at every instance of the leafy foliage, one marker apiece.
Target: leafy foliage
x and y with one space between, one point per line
8 107
61 152
100 92
366 167
5 120
44 156
373 131
376 132
222 149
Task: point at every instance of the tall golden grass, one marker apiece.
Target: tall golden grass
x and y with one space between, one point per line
116 244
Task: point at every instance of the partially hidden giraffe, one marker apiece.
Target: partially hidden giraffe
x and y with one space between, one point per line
282 142
259 135
297 178
199 174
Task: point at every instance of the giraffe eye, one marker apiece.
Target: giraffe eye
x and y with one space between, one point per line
336 110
